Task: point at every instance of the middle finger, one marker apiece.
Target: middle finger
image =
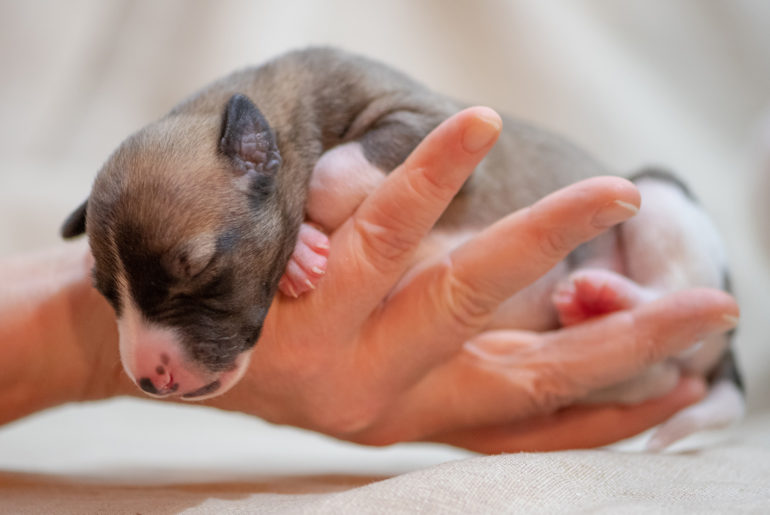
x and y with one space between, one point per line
455 297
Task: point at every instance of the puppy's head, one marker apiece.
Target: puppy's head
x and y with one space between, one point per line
189 241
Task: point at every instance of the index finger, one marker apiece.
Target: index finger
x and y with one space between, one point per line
377 243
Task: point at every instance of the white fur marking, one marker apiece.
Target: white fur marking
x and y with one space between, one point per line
723 406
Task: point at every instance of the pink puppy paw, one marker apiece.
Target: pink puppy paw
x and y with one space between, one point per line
589 293
307 264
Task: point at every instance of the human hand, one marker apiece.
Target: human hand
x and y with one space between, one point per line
377 366
361 362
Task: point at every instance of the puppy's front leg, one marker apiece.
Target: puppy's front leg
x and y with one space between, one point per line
307 264
346 174
341 180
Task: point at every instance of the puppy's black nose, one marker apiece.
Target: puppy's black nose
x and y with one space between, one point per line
147 385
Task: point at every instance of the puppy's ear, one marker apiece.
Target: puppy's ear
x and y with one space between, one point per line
75 224
247 139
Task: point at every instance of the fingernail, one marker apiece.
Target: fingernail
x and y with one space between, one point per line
317 270
614 213
482 132
309 284
731 321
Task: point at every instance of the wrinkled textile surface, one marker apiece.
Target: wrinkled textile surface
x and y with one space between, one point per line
730 477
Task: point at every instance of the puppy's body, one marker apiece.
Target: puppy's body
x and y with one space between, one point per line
192 221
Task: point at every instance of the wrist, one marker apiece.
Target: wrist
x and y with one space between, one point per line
92 336
58 336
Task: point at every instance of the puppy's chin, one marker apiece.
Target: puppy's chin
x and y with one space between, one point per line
157 363
225 381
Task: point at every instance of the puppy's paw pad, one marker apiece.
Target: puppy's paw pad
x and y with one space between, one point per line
590 293
307 264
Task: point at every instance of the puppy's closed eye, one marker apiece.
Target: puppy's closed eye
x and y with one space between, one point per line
191 258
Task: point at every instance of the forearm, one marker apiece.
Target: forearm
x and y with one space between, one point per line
51 322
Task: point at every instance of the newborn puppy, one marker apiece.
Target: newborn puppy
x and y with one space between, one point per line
197 219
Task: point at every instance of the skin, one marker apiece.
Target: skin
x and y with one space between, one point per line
378 365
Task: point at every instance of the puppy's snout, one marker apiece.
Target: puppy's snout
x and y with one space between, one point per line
160 383
158 362
163 381
161 375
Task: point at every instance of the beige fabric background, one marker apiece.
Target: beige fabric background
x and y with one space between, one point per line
684 84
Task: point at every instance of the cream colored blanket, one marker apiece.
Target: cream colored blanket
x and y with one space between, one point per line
684 84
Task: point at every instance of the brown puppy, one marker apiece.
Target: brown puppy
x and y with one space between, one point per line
194 218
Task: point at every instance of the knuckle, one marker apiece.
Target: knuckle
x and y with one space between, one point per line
381 244
550 400
646 345
428 187
647 351
468 305
551 388
553 244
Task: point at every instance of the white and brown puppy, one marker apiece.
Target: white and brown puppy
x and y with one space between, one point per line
195 219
